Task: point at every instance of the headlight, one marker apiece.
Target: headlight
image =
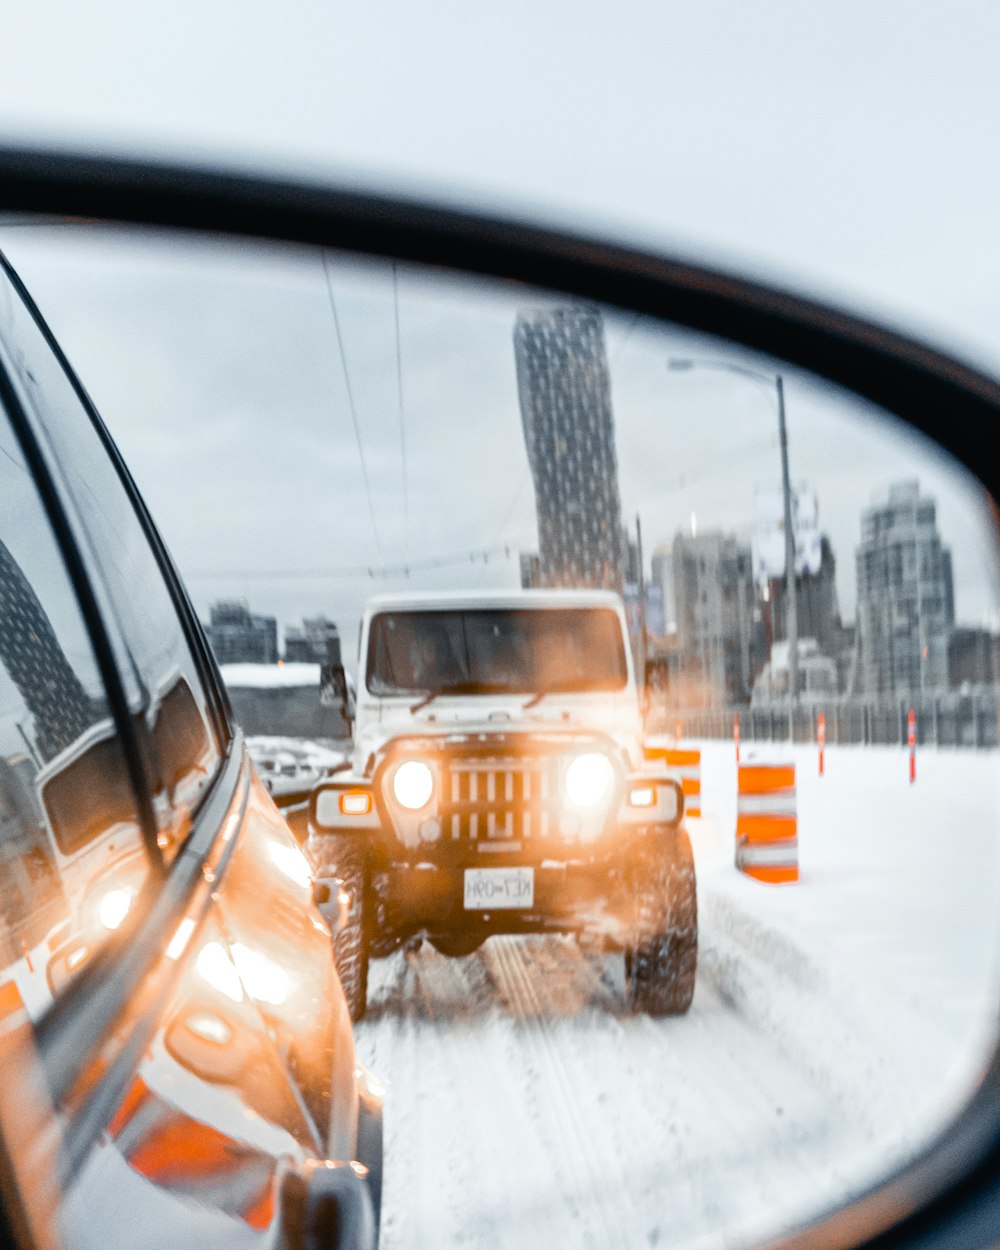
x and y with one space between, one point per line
589 780
413 785
114 907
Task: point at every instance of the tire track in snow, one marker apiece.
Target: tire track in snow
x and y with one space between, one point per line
574 1135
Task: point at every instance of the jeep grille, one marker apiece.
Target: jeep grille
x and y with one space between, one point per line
499 801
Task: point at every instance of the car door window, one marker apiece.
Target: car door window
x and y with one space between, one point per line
72 855
162 679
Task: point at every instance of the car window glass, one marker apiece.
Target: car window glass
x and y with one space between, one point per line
164 686
72 857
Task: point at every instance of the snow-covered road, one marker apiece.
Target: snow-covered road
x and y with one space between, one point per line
834 1022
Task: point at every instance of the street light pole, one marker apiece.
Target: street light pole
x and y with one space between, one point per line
791 603
792 607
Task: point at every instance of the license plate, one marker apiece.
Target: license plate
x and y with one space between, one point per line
488 889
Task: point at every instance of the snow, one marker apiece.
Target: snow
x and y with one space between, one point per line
269 676
837 1025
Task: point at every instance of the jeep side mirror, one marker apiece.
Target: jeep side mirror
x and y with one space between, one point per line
334 688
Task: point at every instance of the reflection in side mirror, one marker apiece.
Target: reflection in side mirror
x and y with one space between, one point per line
476 443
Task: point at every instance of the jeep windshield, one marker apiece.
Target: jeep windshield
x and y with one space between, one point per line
496 651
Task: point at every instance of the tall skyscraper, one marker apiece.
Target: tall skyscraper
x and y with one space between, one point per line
565 396
906 598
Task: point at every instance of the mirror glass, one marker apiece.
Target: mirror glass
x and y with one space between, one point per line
310 430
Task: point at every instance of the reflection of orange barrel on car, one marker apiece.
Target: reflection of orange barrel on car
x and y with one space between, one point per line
767 844
684 765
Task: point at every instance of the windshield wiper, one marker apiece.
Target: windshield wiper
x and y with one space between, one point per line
559 687
460 687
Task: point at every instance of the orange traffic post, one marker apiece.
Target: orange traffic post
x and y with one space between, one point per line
677 731
821 738
911 738
685 765
736 735
767 843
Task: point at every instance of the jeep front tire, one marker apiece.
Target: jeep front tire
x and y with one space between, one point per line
661 961
344 857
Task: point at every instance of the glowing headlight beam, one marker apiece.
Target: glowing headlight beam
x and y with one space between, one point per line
589 780
413 785
114 907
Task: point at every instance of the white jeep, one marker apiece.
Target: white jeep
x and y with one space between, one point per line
498 785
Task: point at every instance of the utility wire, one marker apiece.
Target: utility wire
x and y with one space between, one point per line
509 512
402 411
354 412
470 556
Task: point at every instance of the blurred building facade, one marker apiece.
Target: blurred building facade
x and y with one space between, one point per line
564 388
905 597
239 636
717 644
309 643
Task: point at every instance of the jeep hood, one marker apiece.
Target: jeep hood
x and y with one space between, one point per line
614 714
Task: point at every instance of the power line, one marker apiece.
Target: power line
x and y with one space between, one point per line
473 555
509 511
354 413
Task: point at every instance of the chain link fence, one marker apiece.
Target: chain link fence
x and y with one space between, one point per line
953 720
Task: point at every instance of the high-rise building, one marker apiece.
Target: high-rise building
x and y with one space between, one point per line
239 636
717 627
565 396
906 602
816 602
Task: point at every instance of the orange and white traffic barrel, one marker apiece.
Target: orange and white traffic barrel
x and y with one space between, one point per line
684 763
767 843
14 1019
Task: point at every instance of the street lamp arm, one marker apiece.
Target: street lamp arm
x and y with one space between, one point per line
679 364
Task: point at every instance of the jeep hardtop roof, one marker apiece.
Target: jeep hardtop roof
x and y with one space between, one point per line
438 599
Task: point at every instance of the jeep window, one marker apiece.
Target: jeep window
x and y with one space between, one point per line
496 650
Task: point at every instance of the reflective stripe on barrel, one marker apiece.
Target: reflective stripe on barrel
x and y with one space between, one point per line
767 845
685 765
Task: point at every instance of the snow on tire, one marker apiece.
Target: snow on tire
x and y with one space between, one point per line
661 963
344 857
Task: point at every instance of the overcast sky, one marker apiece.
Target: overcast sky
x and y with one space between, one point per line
843 149
220 372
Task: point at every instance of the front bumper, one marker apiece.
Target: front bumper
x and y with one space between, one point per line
595 897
